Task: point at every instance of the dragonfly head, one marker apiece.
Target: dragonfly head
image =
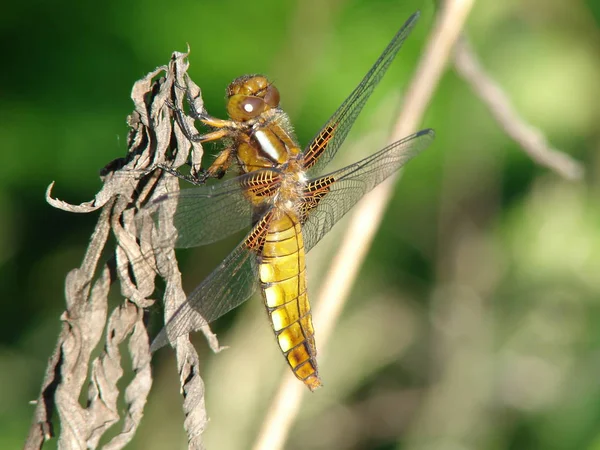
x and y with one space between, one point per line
249 96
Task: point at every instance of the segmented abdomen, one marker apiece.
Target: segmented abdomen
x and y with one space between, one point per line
283 283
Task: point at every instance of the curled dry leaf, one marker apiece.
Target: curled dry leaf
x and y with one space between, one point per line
144 249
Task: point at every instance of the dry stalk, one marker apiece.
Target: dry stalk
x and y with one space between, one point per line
365 220
531 140
144 248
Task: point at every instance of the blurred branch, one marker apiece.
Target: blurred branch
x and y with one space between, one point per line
144 248
531 140
366 218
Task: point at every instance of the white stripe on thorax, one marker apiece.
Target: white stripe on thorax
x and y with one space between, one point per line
267 145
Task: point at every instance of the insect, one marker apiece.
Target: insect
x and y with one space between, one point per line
284 201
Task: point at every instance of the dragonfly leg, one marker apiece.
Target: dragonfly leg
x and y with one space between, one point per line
196 180
220 165
206 118
197 137
211 136
217 169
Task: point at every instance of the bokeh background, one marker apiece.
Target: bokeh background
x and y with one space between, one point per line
474 323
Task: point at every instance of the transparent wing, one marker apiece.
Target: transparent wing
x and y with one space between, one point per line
343 188
327 142
228 286
208 214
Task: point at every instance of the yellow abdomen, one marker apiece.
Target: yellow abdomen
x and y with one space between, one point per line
283 284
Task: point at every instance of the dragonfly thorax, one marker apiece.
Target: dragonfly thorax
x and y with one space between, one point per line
292 187
268 141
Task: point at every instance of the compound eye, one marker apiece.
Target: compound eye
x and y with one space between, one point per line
253 106
244 107
272 96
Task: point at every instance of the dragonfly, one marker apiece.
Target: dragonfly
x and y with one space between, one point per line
284 201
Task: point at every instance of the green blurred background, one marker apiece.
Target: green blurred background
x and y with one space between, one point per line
474 323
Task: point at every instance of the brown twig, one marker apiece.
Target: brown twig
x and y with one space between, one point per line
366 219
532 141
144 248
